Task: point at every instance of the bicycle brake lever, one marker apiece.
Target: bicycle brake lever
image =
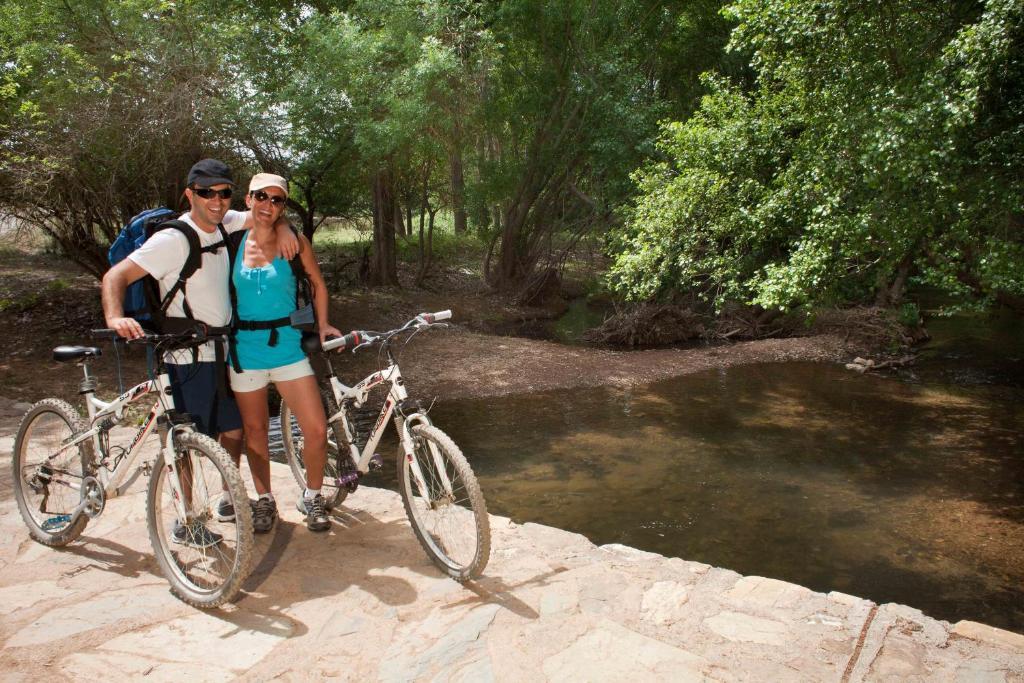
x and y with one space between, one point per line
367 341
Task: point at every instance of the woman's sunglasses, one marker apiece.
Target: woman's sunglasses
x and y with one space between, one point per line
207 193
261 196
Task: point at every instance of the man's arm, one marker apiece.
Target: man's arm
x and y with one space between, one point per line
114 285
287 244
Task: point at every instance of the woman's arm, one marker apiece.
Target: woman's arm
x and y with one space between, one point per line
316 280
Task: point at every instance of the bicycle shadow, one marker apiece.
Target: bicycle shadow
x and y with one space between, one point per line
107 555
112 557
370 544
492 590
294 555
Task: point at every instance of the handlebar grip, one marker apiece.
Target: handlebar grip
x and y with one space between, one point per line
105 333
436 317
349 341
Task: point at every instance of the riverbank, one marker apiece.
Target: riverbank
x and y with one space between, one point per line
363 603
44 302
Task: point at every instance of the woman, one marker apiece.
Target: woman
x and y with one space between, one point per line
269 351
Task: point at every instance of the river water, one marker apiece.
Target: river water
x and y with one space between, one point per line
906 488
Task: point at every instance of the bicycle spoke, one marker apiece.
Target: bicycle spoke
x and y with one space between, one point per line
48 474
446 510
204 559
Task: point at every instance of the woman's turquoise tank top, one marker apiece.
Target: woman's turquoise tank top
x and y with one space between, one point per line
265 293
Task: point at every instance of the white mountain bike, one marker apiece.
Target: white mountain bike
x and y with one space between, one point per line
65 470
439 490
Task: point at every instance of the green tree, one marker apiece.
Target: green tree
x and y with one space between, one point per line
876 147
280 116
569 109
104 108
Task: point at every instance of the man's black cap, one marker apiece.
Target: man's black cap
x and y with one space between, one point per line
209 172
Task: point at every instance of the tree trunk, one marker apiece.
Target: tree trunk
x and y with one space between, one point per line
890 294
458 192
306 213
383 264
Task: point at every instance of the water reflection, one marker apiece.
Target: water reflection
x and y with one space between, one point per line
901 492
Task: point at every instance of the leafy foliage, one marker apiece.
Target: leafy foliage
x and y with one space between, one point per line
878 144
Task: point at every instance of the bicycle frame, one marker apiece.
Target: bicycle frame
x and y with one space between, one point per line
397 398
104 415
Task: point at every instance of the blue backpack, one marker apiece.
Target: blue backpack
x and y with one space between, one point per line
142 299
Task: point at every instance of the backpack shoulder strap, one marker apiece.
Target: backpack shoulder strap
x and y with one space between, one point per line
192 262
234 242
303 287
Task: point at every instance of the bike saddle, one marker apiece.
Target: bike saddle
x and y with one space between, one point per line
66 353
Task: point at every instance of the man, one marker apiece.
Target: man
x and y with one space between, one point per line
194 378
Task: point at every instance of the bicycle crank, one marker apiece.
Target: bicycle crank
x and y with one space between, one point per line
93 497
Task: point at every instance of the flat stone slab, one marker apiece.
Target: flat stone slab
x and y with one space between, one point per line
362 602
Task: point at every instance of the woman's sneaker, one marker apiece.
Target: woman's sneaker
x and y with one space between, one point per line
264 514
315 511
194 535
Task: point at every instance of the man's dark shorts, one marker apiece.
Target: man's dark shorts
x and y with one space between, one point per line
194 387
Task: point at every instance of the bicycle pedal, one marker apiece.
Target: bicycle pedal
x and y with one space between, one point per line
376 462
347 478
57 522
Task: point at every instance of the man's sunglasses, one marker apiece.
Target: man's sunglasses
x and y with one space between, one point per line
207 193
261 196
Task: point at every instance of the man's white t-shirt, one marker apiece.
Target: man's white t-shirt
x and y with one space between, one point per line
163 255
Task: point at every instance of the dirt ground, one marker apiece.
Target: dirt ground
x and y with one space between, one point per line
45 302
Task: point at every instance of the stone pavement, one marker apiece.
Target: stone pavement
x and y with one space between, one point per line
363 603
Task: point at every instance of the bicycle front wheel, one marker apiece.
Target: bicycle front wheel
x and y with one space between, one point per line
48 480
446 508
204 560
337 461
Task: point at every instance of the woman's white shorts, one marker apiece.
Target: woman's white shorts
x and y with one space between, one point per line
253 380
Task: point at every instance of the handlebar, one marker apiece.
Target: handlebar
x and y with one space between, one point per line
196 335
357 339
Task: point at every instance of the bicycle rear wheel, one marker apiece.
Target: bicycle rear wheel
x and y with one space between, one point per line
449 517
204 560
337 461
48 481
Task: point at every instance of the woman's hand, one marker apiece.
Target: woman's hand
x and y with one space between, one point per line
327 330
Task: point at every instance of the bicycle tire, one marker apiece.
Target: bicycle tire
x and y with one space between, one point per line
291 436
203 577
46 426
463 553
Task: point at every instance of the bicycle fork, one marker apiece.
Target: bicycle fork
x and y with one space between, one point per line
409 452
182 499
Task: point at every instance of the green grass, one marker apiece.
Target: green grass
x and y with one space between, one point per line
349 238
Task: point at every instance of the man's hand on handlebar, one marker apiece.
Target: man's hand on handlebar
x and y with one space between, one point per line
128 328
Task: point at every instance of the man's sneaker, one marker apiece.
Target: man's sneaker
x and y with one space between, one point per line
225 510
264 514
315 511
195 535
